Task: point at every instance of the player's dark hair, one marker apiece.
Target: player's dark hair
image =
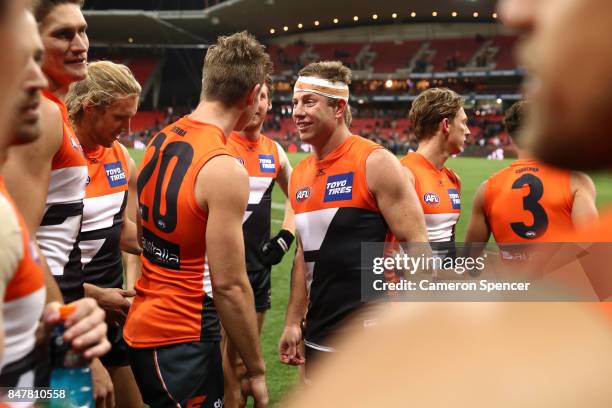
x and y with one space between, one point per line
513 120
233 66
42 8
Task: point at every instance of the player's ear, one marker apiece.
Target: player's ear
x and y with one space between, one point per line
445 126
253 96
341 106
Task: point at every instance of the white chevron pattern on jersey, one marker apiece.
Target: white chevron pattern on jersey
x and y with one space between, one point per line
257 187
440 226
67 185
89 249
98 212
206 282
312 228
21 317
56 242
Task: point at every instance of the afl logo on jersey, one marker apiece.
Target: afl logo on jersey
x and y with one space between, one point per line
240 160
266 163
339 187
431 198
115 174
302 194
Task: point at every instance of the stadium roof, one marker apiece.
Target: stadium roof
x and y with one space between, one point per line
197 27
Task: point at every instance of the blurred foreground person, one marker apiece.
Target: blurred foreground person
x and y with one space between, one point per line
476 355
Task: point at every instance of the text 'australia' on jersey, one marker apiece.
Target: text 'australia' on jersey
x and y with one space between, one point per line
261 160
174 293
334 214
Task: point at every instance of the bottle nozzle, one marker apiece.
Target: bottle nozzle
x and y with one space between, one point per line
66 311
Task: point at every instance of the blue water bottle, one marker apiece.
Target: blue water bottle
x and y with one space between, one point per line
69 370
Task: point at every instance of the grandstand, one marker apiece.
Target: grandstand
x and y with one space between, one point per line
392 58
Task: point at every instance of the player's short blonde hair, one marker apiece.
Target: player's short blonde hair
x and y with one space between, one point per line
105 82
333 71
232 67
430 108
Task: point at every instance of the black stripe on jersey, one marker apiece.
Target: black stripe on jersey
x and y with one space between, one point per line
11 373
211 328
106 268
71 282
256 230
335 291
58 213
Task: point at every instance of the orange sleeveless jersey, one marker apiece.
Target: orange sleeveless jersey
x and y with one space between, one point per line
24 301
173 303
59 229
439 194
261 160
334 214
528 202
104 204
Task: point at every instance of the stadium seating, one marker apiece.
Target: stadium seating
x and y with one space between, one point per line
462 49
391 56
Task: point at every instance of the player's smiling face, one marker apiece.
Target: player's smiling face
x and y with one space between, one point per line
66 44
314 117
566 51
113 121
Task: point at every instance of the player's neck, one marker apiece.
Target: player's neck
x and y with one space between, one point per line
252 135
84 133
328 145
523 155
435 153
3 156
57 89
217 114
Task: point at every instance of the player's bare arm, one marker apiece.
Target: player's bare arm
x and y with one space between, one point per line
222 189
478 230
396 197
284 175
289 351
27 172
584 211
129 231
28 168
132 262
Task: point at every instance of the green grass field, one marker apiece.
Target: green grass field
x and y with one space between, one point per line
472 171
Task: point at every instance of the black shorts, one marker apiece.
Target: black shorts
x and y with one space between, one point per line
118 355
262 288
185 374
313 358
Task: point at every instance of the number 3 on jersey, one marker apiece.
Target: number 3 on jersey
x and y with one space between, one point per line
532 205
178 156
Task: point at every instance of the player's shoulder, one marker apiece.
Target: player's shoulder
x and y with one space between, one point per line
11 242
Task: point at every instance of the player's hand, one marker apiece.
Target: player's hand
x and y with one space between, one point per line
103 390
259 390
272 252
85 327
289 351
115 302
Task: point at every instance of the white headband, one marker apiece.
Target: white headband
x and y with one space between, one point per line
324 87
